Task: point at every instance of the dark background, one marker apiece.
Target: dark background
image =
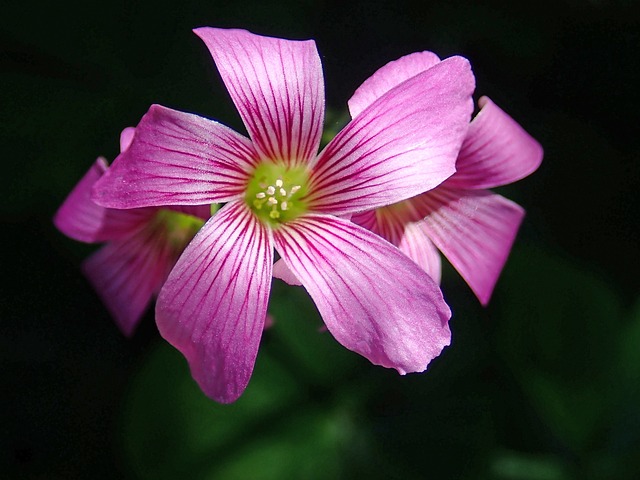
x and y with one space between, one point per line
543 384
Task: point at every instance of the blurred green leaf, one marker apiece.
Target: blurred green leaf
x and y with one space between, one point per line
284 425
300 333
558 331
170 427
520 466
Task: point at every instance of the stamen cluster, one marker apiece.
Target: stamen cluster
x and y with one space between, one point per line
277 201
276 197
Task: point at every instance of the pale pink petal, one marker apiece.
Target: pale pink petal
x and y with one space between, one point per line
276 85
497 151
387 77
284 273
415 244
397 225
81 219
213 305
127 273
177 158
373 299
475 230
403 144
126 137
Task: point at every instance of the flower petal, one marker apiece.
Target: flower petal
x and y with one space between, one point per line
282 272
497 151
126 137
387 77
126 274
403 144
177 158
475 230
416 245
373 299
276 85
81 219
213 305
397 225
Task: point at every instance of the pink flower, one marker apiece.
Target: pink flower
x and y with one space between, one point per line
142 246
473 227
281 193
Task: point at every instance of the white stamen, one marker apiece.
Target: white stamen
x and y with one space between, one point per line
284 205
279 183
272 201
294 189
261 195
271 190
283 192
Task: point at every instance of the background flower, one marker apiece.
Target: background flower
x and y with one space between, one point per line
474 228
143 244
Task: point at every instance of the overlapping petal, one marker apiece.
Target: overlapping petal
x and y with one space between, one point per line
177 158
277 87
387 77
474 230
213 305
83 220
416 244
282 272
126 274
373 299
404 143
496 151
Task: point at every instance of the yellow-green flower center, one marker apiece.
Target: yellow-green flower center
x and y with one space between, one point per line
178 228
276 192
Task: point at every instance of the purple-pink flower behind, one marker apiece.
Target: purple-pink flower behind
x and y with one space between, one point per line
142 245
473 227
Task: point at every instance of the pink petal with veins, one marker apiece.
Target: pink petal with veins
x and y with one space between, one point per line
404 143
373 299
213 305
496 151
387 77
277 87
83 220
177 158
475 230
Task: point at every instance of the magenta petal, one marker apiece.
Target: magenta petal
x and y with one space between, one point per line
475 230
373 299
497 151
387 77
177 158
126 137
276 85
284 273
81 219
416 245
126 274
213 305
403 144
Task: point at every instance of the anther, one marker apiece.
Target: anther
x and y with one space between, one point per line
271 190
261 195
272 201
